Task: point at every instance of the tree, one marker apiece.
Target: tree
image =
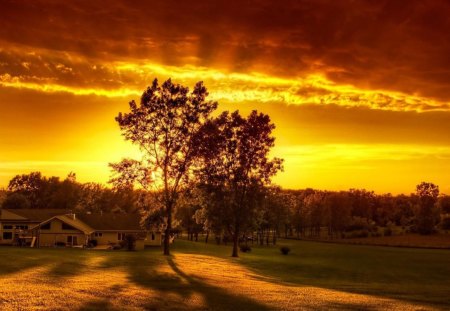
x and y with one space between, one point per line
444 204
428 194
165 126
29 185
15 201
236 167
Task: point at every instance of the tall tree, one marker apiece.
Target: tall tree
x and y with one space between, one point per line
428 194
164 126
237 166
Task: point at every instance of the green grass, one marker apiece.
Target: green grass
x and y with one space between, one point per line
421 275
204 276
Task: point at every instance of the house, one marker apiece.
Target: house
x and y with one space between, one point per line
15 223
47 228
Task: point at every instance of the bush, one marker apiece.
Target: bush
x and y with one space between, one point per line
358 234
445 223
129 243
245 248
375 234
358 224
93 243
60 244
116 246
285 250
387 231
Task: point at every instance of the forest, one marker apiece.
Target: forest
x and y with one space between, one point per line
277 212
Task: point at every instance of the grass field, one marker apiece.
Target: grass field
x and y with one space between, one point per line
404 240
198 276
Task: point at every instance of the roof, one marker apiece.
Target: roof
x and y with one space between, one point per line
76 223
83 222
32 215
111 221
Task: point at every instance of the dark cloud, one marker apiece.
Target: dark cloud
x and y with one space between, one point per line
395 45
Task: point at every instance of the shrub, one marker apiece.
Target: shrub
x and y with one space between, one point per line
129 242
387 231
375 234
445 223
358 234
116 246
93 243
245 248
285 250
60 244
357 224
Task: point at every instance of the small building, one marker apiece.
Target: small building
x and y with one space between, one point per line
102 230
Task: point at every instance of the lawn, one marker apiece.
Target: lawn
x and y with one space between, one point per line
199 276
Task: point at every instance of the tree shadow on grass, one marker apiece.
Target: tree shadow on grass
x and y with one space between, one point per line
17 259
184 286
68 267
64 262
98 305
352 269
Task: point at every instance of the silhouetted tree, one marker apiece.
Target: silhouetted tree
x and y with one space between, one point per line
444 204
237 166
16 200
426 217
164 126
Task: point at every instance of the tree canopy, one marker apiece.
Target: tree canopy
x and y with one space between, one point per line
165 125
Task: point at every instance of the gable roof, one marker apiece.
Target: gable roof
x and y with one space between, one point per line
112 222
76 223
83 222
31 215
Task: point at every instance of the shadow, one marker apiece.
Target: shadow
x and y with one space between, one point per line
68 267
215 297
18 259
97 305
348 306
175 290
411 275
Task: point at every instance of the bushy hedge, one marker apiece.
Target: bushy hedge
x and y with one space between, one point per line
245 248
285 250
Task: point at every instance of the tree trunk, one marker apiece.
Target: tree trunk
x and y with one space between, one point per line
235 245
207 236
168 230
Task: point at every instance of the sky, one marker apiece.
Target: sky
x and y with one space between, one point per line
359 91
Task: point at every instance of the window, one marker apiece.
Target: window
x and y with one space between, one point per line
67 227
98 234
72 240
46 226
22 227
121 236
153 236
7 227
7 236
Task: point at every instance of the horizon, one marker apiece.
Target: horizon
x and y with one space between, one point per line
358 91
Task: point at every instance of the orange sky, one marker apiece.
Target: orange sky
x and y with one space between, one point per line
359 90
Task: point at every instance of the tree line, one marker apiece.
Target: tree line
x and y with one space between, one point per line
275 212
36 191
315 214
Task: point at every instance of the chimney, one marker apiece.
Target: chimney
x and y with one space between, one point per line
72 215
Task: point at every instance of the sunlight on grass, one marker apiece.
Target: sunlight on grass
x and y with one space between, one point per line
99 280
